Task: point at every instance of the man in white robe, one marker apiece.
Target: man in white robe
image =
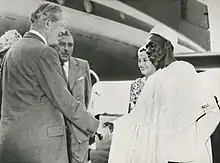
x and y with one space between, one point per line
174 116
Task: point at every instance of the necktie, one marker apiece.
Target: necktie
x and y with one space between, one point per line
63 71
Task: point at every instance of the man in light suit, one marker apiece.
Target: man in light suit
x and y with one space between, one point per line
77 76
76 70
37 104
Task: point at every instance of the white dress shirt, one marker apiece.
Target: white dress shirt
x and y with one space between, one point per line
66 68
38 34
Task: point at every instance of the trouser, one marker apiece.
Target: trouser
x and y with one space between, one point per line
89 152
77 152
215 139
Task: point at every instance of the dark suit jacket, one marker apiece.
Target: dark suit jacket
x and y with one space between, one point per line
35 102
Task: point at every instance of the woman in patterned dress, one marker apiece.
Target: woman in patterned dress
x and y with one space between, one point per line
147 69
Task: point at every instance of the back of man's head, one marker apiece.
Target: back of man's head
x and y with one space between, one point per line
43 12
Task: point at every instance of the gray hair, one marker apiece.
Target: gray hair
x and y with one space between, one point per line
45 11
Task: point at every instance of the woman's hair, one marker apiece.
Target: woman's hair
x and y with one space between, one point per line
140 49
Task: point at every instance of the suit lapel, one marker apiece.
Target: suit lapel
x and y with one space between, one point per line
73 72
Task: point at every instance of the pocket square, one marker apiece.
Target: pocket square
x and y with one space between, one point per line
82 77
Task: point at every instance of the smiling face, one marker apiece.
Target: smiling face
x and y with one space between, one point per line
66 45
145 65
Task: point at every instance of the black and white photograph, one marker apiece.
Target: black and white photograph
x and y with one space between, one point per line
109 81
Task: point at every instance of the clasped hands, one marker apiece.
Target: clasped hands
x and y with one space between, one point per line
105 129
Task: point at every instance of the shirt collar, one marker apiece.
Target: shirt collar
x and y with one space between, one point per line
38 34
66 64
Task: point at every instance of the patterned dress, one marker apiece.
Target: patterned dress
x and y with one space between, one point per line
135 90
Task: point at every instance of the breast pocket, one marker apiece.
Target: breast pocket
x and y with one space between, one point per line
80 82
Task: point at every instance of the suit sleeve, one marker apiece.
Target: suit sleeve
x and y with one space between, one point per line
49 74
88 85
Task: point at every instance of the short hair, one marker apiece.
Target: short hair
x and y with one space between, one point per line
66 32
46 11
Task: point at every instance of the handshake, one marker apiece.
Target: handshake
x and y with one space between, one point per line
110 125
100 136
105 129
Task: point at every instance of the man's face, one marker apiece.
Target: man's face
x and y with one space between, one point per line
155 49
54 28
66 45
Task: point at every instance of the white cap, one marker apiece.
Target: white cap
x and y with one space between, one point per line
167 33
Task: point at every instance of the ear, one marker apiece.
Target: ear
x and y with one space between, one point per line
47 23
169 54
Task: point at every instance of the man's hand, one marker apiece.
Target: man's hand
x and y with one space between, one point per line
110 125
100 136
